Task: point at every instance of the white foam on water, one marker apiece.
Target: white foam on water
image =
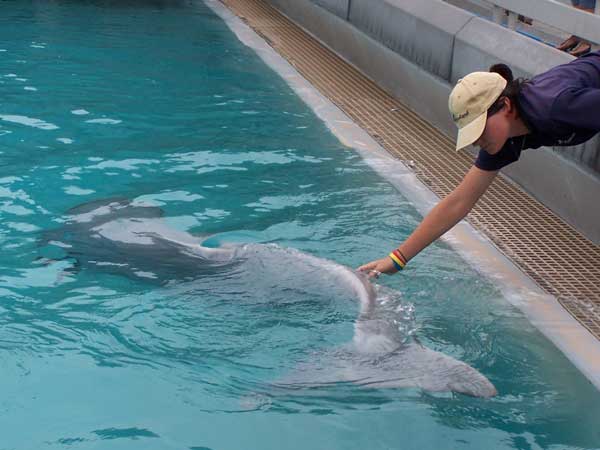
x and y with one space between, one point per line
125 164
22 226
74 190
212 214
28 121
168 196
59 244
142 274
9 180
16 210
104 121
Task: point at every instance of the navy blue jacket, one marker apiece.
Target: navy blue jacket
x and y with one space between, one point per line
560 107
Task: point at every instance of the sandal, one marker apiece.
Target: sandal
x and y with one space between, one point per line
568 44
583 48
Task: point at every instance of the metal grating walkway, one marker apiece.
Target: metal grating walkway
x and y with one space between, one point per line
562 261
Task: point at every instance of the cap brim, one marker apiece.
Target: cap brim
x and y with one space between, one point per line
471 132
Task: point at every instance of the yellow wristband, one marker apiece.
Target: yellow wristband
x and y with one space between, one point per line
398 263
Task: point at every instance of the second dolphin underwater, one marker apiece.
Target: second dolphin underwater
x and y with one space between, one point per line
132 239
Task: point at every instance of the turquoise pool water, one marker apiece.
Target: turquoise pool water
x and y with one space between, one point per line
158 102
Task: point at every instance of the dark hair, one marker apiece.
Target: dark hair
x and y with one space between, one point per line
511 91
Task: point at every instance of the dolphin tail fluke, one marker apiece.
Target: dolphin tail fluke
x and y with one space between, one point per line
436 372
411 366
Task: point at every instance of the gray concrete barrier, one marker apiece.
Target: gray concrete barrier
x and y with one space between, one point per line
418 50
396 74
414 30
481 43
338 7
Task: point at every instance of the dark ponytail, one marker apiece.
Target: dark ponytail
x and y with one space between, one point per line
504 71
511 91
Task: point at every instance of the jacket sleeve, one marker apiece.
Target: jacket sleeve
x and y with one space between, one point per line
579 108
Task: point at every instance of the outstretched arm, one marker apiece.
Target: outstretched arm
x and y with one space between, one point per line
447 213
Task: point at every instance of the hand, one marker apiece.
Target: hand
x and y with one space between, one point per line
377 267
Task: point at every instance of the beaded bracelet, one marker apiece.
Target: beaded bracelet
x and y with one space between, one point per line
398 259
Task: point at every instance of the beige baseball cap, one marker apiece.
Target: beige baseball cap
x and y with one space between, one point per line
469 101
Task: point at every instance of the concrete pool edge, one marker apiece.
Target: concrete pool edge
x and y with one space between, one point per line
542 310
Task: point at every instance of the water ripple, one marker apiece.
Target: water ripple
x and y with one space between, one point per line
28 121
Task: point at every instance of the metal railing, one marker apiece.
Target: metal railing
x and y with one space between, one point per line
550 12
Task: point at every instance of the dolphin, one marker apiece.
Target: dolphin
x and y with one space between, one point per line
129 238
132 239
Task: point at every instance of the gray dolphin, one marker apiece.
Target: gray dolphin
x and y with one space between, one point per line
128 238
132 239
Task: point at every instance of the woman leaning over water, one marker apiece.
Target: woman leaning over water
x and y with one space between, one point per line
503 116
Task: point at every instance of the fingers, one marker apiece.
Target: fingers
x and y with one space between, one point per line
374 274
370 270
371 274
367 267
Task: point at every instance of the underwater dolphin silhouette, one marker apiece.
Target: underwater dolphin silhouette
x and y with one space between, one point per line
132 239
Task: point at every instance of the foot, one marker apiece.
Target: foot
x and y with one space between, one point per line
568 43
525 20
581 49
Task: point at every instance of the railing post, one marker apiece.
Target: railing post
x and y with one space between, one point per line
558 14
512 20
498 14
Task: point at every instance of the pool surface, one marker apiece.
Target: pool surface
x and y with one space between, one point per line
158 103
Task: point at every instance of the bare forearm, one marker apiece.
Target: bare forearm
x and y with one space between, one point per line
444 216
440 219
449 211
